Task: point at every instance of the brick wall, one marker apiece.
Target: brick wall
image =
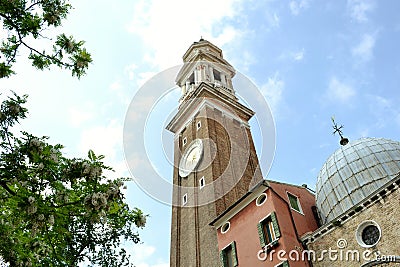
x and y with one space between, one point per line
385 214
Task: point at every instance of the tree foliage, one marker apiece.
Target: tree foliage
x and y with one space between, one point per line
54 210
25 21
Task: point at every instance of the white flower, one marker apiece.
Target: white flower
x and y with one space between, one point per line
86 168
35 142
41 217
96 171
15 108
94 201
31 199
32 209
40 166
54 156
51 219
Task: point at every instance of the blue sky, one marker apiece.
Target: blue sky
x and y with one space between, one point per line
310 59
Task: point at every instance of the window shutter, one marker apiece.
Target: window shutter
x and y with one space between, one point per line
261 234
285 264
222 257
275 224
234 255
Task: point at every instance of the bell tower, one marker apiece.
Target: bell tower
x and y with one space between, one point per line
214 154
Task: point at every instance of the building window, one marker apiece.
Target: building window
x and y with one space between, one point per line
184 199
191 79
198 125
283 264
294 203
225 228
202 182
184 141
217 75
268 230
228 255
368 234
261 199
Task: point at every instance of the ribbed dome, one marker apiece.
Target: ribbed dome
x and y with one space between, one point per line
353 172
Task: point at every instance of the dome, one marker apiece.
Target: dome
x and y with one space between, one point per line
353 172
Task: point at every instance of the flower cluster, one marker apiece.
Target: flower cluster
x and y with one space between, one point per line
32 208
96 201
90 170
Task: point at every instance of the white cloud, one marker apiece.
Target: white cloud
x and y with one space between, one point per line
359 8
168 27
298 56
246 61
103 140
228 34
364 50
272 91
130 71
143 77
294 55
339 91
297 6
115 86
142 253
77 116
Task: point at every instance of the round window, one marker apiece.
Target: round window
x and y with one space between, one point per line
225 227
261 199
368 234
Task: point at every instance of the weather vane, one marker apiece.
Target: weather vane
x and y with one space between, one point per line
338 129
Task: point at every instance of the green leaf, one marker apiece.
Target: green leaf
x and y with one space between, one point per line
91 155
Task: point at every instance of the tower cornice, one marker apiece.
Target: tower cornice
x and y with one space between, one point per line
207 94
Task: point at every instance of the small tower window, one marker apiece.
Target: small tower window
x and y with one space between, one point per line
202 182
184 141
191 79
184 199
217 75
198 126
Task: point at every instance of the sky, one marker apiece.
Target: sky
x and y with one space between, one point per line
310 59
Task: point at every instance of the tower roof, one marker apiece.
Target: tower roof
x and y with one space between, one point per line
203 51
353 172
207 47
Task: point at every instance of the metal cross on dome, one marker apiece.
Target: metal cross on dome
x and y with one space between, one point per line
338 129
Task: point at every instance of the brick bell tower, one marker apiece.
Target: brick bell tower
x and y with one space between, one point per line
214 154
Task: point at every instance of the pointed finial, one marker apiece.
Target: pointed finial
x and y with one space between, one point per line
338 129
201 38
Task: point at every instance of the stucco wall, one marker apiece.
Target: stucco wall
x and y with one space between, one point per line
243 230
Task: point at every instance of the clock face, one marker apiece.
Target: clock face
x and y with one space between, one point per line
191 158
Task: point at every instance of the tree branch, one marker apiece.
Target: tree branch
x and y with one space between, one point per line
8 189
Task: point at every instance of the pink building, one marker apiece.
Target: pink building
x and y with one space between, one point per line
264 227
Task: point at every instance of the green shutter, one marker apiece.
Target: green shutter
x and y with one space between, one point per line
234 255
294 202
285 264
222 256
275 224
261 234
